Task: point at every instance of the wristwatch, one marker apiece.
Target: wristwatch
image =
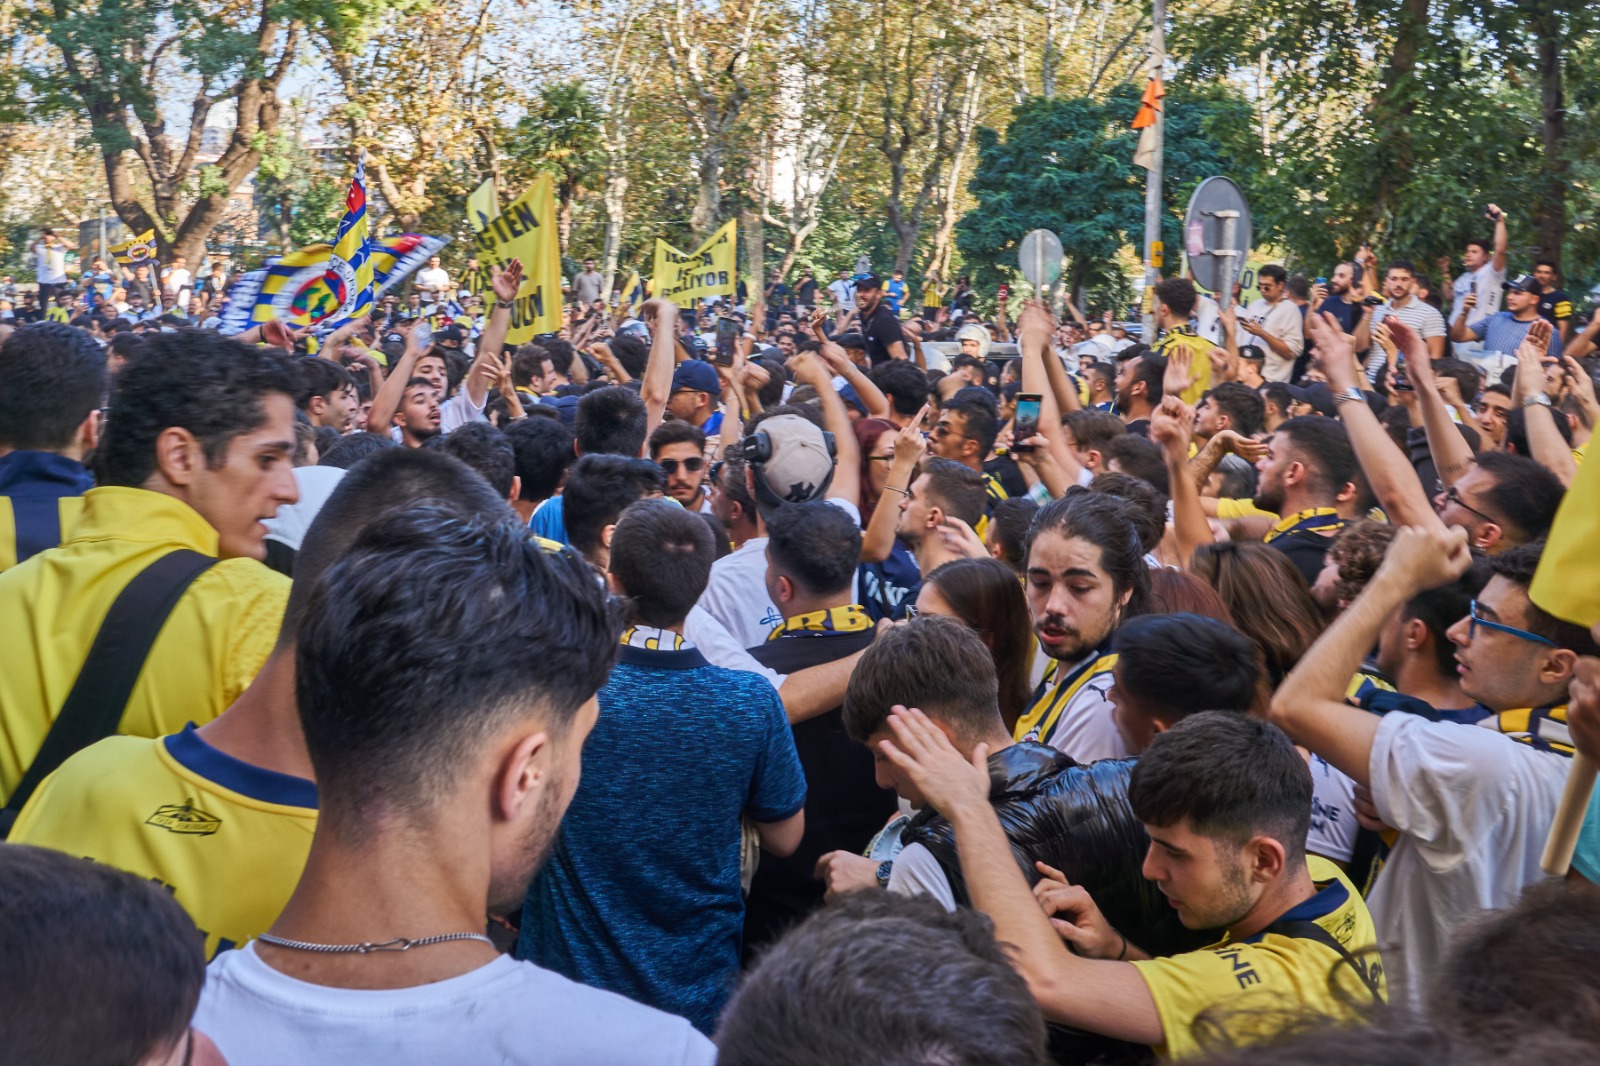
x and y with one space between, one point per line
1543 399
1352 393
884 869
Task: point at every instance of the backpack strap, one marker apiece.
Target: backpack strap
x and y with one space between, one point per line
99 696
1309 930
37 523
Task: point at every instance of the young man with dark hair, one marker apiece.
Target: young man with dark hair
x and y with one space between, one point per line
1008 532
1483 279
943 489
906 386
234 802
1226 800
1471 805
1400 286
1089 435
598 489
1229 405
1138 458
611 421
1175 300
73 931
812 550
327 393
196 454
1554 305
880 322
718 747
1086 573
417 418
430 821
696 395
55 384
834 992
541 451
486 450
679 448
1277 321
1308 463
1503 501
1139 393
1170 666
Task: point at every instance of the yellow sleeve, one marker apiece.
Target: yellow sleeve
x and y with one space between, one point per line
1227 508
1567 583
1185 987
258 598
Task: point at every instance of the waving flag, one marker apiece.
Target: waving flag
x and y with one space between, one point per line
395 258
349 273
634 294
140 249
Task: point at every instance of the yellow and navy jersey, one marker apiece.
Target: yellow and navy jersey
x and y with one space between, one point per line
41 497
1090 678
1293 967
1199 350
228 839
993 493
207 652
1555 306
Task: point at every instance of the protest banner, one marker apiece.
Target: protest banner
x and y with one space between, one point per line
526 230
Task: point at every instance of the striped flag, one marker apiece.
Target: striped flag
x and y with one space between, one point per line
349 273
140 249
634 294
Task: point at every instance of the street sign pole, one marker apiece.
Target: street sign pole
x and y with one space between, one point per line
1152 189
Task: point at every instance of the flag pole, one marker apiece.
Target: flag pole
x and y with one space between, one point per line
1153 251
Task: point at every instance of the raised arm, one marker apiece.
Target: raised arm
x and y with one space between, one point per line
662 318
1036 328
1501 238
877 541
809 369
485 363
1452 456
1544 439
876 402
1389 471
387 399
1171 426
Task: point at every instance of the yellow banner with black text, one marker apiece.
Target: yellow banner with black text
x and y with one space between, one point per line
706 272
526 230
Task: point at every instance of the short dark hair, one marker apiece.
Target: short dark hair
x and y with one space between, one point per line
51 378
1323 444
1298 285
208 384
1094 430
816 545
1181 664
1274 271
1139 459
1439 609
76 931
771 394
611 421
1110 524
977 408
676 431
632 353
1242 404
486 450
1104 371
834 992
959 490
1486 245
1276 393
1152 371
1525 495
1517 565
1232 776
963 692
1147 506
351 448
1178 294
394 479
903 383
599 488
561 355
1401 264
661 555
1466 376
318 377
418 615
1010 522
1517 430
525 363
541 449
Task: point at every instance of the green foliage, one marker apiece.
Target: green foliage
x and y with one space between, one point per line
561 134
1067 165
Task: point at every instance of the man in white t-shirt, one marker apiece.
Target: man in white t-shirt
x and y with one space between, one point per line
843 291
429 822
50 265
1277 321
433 277
1484 277
176 281
1471 803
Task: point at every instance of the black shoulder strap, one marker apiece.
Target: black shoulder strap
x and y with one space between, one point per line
100 695
1308 930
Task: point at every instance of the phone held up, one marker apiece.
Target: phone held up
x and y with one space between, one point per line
727 337
1025 423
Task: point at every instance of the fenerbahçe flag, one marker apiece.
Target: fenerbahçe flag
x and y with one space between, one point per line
349 274
703 273
526 230
140 249
634 294
288 287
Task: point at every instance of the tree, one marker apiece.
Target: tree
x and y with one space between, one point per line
562 133
1067 165
131 67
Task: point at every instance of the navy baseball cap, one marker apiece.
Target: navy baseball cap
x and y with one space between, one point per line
696 375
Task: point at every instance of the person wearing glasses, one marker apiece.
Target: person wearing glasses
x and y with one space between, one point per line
679 449
1468 806
696 392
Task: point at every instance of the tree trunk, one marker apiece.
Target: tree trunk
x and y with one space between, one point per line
708 201
967 126
615 199
755 252
1393 107
564 221
1555 169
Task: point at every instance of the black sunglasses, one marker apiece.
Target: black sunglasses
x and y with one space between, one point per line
693 465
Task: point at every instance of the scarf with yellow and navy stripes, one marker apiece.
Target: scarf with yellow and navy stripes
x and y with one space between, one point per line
851 618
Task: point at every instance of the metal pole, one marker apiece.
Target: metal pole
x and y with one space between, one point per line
1152 191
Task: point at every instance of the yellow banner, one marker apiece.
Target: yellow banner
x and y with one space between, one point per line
526 230
483 203
698 275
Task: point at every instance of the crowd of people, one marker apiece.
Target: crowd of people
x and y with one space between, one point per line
730 684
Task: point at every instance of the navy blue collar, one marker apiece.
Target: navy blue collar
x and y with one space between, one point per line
43 474
236 775
1330 898
684 659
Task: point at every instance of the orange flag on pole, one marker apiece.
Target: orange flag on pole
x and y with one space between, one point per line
1149 104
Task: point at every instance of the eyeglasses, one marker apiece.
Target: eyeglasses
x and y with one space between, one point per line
715 474
881 458
1452 496
693 465
944 429
1474 621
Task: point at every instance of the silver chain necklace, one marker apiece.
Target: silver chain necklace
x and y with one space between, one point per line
399 943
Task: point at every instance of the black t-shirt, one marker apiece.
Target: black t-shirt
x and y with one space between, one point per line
806 292
1306 550
25 315
881 329
844 805
1555 306
1348 314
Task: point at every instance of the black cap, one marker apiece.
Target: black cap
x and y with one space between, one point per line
1317 395
868 283
1526 283
450 333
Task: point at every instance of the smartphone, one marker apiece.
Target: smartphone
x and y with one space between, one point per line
727 336
423 334
1401 382
1005 291
1025 423
1320 281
